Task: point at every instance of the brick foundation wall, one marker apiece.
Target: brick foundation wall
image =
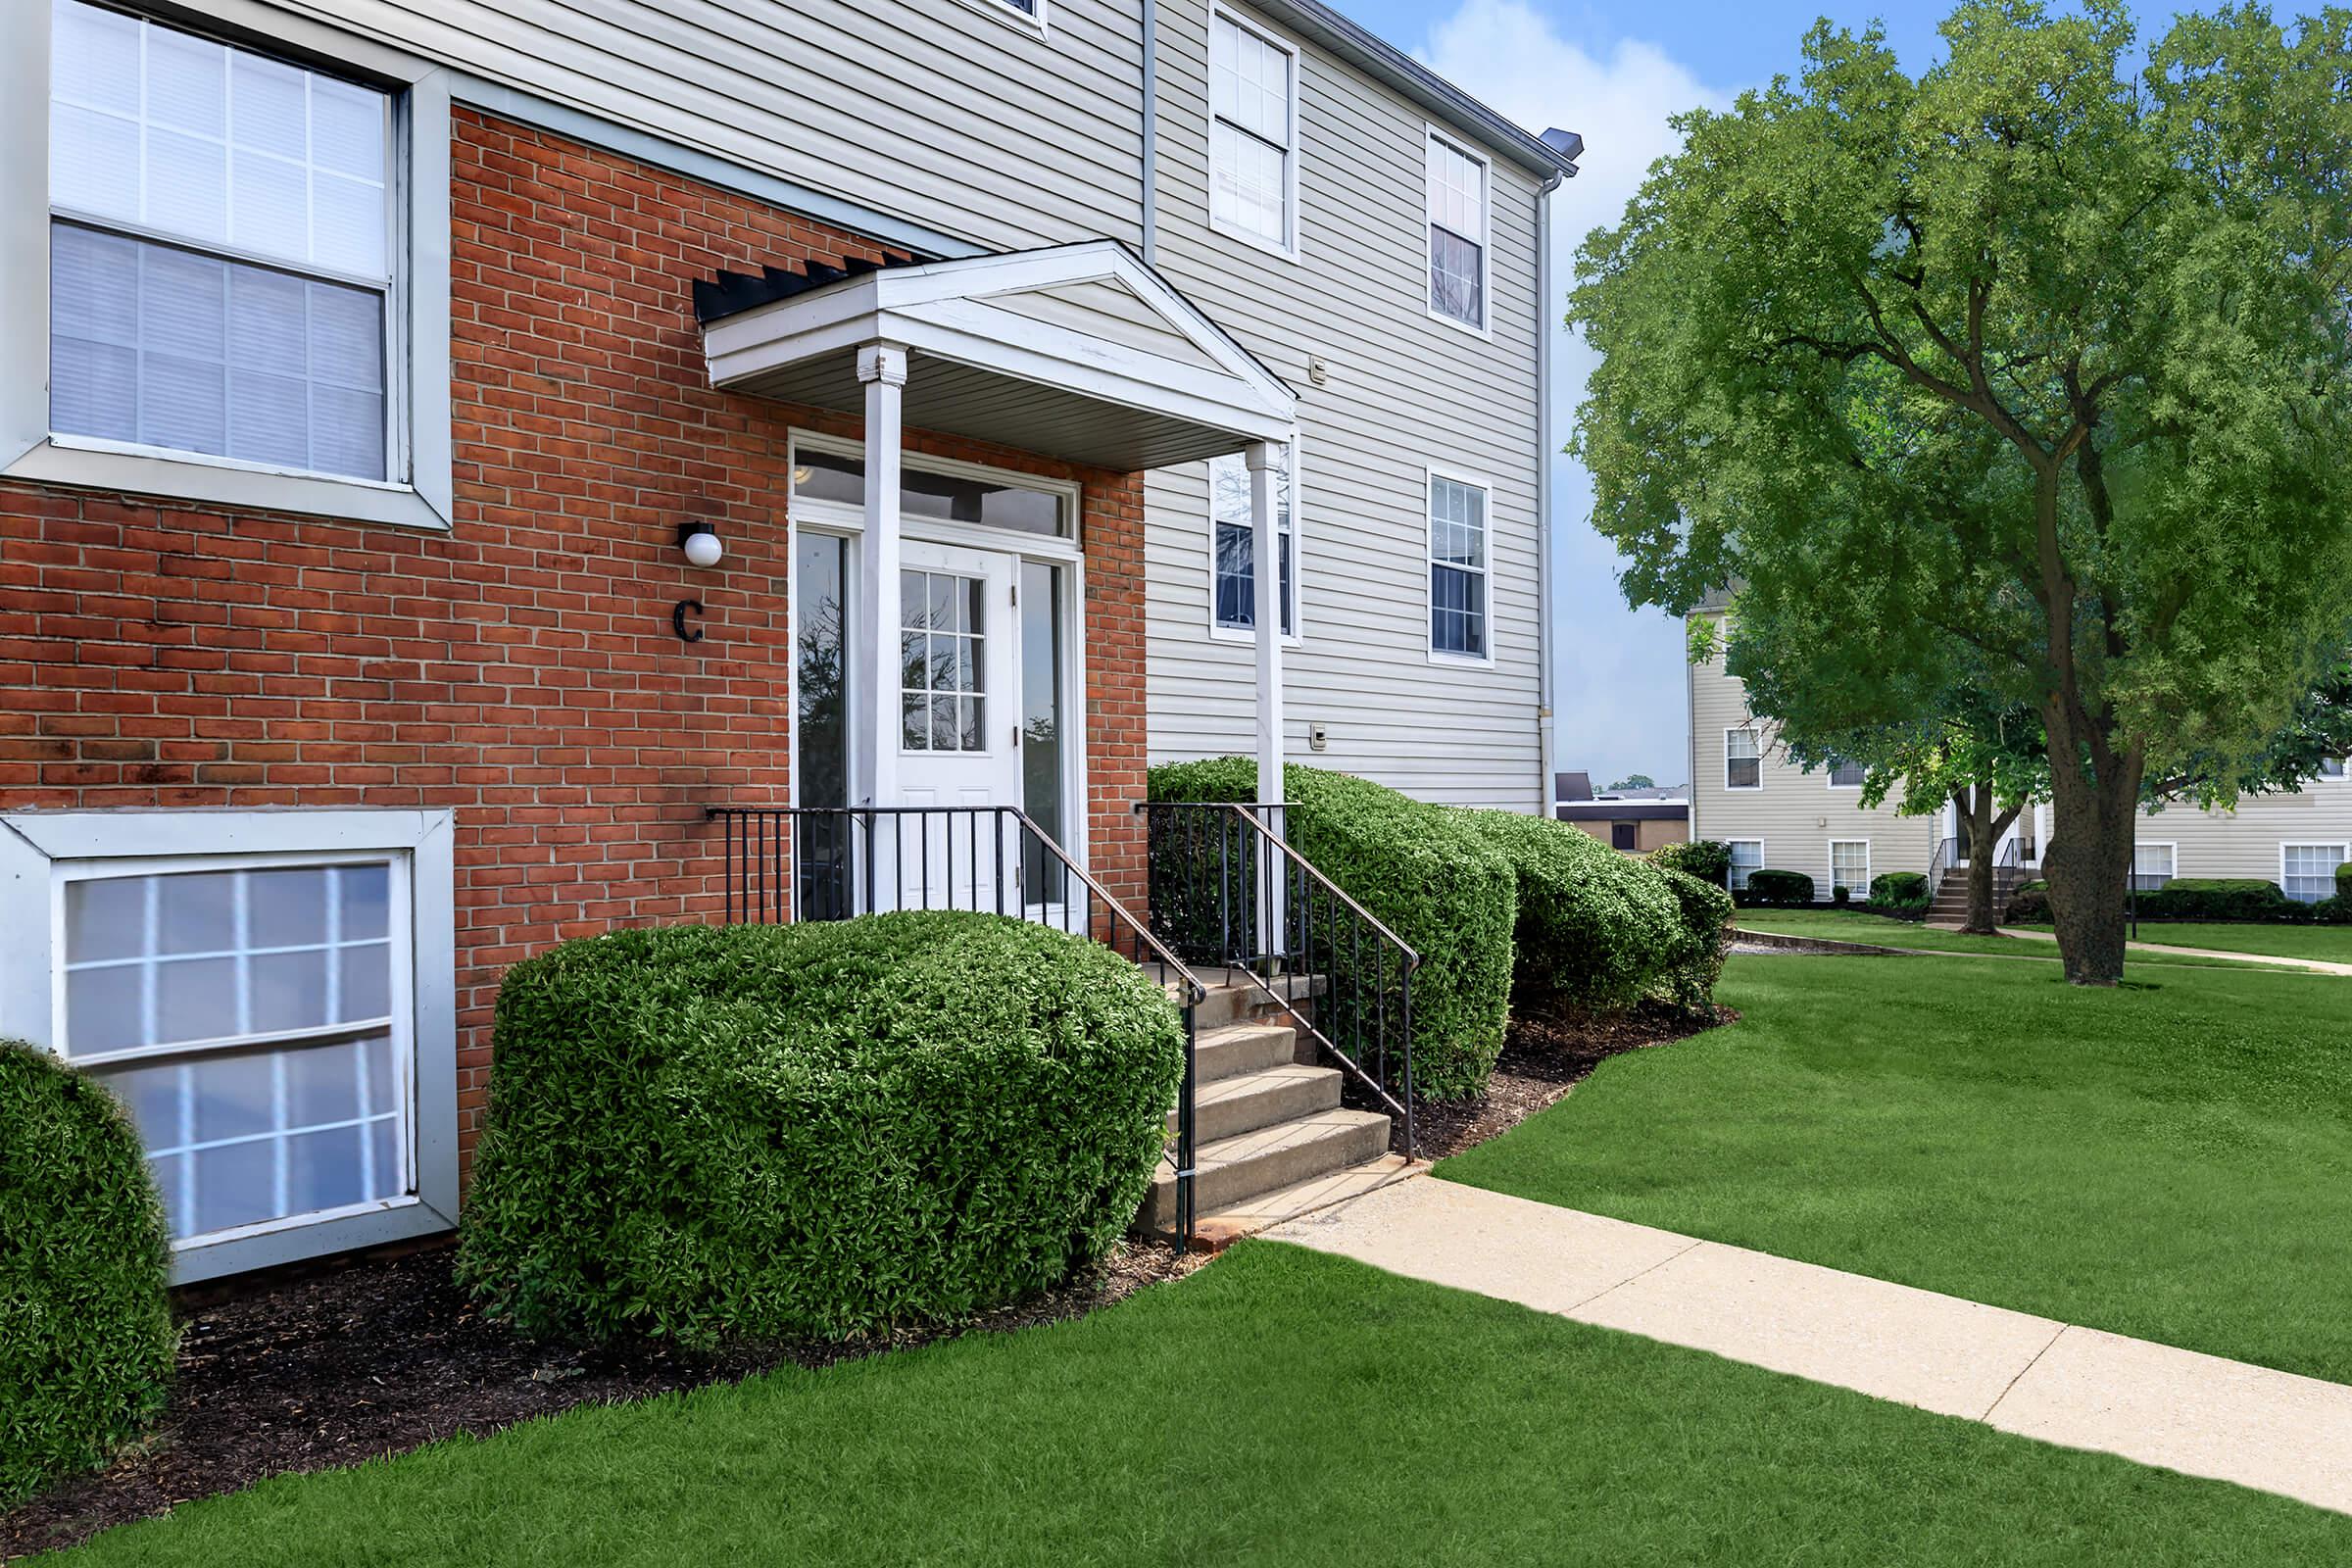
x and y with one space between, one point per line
522 668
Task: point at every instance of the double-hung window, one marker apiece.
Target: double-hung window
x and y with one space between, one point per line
1234 573
2153 865
1743 760
1459 568
1747 859
221 250
1457 233
1850 866
246 294
269 995
2307 872
1846 775
1253 134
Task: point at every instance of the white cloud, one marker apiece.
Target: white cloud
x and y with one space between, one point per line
1620 701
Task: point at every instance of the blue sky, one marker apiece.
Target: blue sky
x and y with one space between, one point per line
1614 71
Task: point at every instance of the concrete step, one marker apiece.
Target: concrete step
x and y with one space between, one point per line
1246 1101
1235 998
1232 1170
1235 1048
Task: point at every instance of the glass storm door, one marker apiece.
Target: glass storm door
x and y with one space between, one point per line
960 718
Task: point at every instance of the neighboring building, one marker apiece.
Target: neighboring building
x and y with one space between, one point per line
449 446
1635 821
1749 794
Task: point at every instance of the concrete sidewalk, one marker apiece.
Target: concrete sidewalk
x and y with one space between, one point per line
2033 1376
2312 965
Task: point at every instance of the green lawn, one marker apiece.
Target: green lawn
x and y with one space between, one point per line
2331 944
2169 1159
1839 925
1280 1408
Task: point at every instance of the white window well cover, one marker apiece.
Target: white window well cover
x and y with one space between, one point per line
221 249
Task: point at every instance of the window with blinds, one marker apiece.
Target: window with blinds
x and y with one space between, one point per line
221 250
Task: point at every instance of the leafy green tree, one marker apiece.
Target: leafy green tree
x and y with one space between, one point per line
2026 371
1636 781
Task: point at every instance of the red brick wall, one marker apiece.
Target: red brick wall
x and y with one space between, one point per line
521 668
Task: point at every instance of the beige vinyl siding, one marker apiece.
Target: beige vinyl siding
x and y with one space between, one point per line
1797 815
931 110
2246 841
1405 393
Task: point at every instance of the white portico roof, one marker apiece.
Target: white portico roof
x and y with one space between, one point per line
1079 351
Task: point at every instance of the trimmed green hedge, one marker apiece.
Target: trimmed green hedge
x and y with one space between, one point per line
2248 900
1707 859
1424 872
86 1339
1596 928
1767 887
812 1130
1695 960
1900 890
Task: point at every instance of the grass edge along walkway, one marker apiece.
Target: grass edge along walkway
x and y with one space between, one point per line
2058 1382
2170 1159
1277 1407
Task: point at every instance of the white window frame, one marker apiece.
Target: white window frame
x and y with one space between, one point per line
1730 788
2342 853
1293 250
2172 857
1483 327
1734 884
1430 475
1831 771
2341 775
1011 15
417 369
39 850
1862 892
1248 635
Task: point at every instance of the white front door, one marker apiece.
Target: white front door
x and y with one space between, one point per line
959 730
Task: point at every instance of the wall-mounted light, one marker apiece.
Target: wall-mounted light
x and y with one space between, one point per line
701 543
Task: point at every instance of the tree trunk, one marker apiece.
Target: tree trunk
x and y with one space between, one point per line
2094 822
1980 830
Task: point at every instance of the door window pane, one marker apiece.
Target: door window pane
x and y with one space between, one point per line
1041 754
943 643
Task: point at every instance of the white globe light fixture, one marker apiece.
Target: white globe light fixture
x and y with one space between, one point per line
701 544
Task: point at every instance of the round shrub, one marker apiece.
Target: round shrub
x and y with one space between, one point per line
1707 859
812 1130
1779 886
85 1329
1596 928
1900 890
1424 873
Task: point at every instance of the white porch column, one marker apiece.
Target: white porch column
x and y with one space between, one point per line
874 659
1264 460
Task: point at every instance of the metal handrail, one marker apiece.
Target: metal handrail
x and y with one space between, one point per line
759 859
1286 896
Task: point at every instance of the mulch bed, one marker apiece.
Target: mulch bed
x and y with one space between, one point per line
1544 1055
378 1357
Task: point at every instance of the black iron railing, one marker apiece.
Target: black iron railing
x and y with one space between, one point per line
1228 888
815 863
